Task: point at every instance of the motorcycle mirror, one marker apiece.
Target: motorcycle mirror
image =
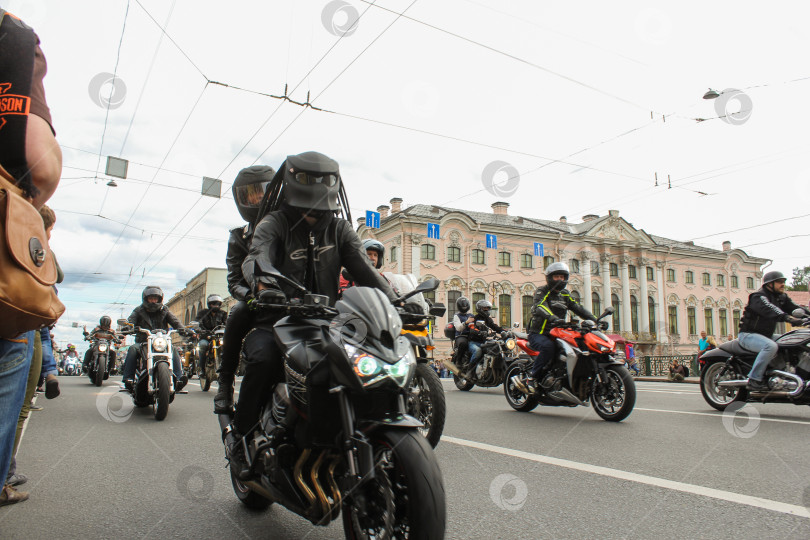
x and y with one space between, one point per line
516 325
799 313
608 311
195 325
122 322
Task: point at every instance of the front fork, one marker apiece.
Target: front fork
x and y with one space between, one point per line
358 451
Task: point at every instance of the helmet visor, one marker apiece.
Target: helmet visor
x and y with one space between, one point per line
313 179
250 195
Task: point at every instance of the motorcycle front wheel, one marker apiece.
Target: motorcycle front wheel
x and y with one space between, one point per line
99 374
514 397
718 396
163 391
614 399
462 384
247 496
406 497
426 402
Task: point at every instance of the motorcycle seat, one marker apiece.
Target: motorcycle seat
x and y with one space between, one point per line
734 347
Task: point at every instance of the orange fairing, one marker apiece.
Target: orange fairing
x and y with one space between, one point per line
598 342
567 335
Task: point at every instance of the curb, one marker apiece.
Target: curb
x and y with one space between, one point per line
692 380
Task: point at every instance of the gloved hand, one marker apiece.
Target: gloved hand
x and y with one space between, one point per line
272 296
556 321
603 325
795 321
504 334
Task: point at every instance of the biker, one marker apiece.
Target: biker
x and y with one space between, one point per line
460 321
209 319
550 305
248 190
69 352
766 307
476 336
302 239
153 315
102 331
375 252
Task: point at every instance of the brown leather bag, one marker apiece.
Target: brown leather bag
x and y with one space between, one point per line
27 267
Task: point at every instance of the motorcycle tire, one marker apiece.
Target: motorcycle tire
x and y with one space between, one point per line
247 496
463 384
426 403
406 494
615 402
717 397
98 379
163 390
205 383
514 397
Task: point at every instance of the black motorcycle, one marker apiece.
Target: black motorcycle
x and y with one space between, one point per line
724 376
499 352
335 438
97 369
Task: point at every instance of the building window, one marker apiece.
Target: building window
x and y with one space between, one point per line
394 254
671 275
453 254
691 318
547 260
632 271
429 252
594 268
504 258
194 313
673 320
525 260
689 277
596 305
614 270
723 323
452 298
617 320
633 313
736 318
651 309
574 264
709 321
749 282
707 279
575 297
478 256
735 282
650 273
188 314
721 280
505 310
527 302
476 296
430 296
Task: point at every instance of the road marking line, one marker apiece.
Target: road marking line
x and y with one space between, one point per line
729 496
718 415
667 391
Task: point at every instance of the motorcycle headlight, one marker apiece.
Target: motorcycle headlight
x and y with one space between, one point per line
159 344
102 347
510 344
371 370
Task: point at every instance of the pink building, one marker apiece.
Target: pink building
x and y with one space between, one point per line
665 291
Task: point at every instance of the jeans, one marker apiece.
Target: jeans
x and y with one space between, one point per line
767 349
48 361
237 326
132 357
546 347
476 352
34 370
15 362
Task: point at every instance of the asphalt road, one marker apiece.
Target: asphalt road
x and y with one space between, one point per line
674 469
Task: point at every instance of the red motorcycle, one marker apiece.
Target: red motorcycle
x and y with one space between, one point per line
584 370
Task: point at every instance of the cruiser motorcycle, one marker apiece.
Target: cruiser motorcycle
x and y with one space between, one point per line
97 369
585 371
724 376
154 381
335 439
207 367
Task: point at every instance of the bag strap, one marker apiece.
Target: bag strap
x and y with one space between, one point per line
7 181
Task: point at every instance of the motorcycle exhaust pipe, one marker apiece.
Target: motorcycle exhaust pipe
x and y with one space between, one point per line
734 383
564 393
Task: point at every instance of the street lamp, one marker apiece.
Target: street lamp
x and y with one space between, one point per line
711 94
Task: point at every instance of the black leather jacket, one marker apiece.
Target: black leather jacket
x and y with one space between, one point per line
211 319
238 247
161 320
474 335
766 308
284 243
550 305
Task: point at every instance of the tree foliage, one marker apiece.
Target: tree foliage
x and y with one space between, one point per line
801 277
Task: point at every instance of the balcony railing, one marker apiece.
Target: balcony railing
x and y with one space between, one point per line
659 365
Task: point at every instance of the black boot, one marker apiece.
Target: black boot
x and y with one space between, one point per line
223 400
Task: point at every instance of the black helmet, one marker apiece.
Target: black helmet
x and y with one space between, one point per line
248 189
557 268
770 277
311 181
152 291
214 299
483 307
462 304
105 322
375 245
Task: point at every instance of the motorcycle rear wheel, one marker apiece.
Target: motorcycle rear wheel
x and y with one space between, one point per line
426 403
614 400
463 384
406 498
163 391
205 383
514 397
717 396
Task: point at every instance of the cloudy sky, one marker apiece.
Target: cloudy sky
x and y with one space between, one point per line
587 101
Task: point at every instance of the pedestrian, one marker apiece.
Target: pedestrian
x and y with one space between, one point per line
730 337
676 372
630 355
711 343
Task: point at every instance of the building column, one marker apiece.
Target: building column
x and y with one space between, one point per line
627 321
605 269
644 325
585 268
416 255
662 328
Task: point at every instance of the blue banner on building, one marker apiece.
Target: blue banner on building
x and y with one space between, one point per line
538 249
492 241
372 219
433 230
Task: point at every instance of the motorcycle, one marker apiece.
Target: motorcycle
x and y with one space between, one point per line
72 366
499 354
585 371
425 394
97 368
335 439
724 376
207 366
154 381
190 355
